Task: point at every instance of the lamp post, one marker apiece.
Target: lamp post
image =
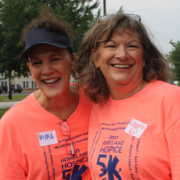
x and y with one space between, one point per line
104 5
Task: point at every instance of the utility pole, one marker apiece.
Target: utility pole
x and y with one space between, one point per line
104 5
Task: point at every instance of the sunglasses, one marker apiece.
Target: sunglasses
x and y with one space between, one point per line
131 16
66 132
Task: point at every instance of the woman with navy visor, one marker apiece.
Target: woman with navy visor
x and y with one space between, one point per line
44 137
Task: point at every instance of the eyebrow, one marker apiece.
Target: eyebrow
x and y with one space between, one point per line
56 54
134 41
50 55
33 58
111 40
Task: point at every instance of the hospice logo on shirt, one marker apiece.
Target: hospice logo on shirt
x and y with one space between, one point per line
135 128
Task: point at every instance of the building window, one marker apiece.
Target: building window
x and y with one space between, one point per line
33 85
25 84
3 83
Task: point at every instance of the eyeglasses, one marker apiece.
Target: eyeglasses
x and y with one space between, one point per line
132 16
66 132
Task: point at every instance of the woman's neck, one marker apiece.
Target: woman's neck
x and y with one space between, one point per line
125 91
61 106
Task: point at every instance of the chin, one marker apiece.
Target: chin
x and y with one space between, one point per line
123 82
51 94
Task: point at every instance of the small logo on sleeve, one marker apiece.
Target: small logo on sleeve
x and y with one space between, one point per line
135 128
47 138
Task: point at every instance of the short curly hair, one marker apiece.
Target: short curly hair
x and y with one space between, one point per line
156 65
48 20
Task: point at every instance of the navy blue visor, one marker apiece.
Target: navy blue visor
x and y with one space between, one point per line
45 36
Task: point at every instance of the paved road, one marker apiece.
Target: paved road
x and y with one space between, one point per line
11 103
14 94
7 104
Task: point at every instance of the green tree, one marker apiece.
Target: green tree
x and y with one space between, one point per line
79 14
121 9
175 56
15 14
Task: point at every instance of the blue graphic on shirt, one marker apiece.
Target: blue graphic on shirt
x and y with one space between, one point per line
76 174
111 167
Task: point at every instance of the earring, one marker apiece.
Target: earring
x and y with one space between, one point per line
33 80
98 70
73 72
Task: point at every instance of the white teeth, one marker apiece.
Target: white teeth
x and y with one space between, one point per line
49 81
121 66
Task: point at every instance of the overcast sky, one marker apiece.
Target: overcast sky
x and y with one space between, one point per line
162 17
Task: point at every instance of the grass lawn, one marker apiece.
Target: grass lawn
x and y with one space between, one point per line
5 98
16 97
2 111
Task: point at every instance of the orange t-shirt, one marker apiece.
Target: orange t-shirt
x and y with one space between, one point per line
137 138
34 147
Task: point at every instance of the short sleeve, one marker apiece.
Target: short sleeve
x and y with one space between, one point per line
10 167
173 140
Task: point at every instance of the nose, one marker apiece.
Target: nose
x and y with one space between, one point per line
122 53
47 69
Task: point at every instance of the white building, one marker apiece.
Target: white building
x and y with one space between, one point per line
26 82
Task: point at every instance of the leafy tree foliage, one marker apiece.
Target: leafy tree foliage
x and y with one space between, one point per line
175 56
121 9
15 14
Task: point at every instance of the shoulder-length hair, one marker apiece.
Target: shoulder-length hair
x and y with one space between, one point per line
156 67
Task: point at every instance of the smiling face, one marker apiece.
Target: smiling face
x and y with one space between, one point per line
51 67
121 59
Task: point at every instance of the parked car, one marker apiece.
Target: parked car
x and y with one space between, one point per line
4 88
16 88
1 90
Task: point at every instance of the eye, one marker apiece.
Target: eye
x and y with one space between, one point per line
111 46
133 46
36 63
55 59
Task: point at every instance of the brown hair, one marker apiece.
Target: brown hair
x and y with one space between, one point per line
48 20
156 65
